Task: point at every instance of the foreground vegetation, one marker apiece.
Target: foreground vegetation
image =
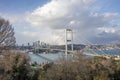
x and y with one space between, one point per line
15 65
85 69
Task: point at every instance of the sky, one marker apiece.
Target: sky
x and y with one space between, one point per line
92 21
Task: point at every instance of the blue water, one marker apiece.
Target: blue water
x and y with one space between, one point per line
108 52
43 58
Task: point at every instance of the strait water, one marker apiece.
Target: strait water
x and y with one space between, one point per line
108 52
43 58
51 57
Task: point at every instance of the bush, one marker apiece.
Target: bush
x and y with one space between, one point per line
80 68
15 66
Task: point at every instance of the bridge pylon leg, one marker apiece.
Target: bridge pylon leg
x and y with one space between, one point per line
68 40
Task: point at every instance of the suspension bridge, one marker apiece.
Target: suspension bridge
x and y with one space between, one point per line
68 40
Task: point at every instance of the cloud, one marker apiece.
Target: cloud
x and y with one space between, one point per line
28 36
106 38
107 30
59 13
14 18
75 14
55 37
47 23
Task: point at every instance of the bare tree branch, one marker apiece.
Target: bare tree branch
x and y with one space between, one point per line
7 38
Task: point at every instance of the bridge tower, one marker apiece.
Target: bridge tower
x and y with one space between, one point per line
68 40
